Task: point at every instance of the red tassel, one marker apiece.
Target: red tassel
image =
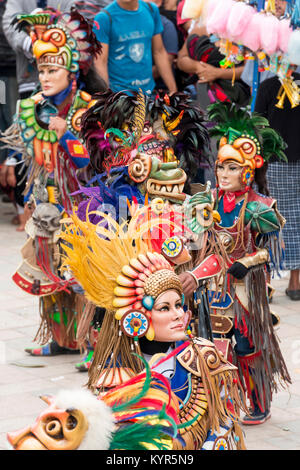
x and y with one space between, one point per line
246 364
43 261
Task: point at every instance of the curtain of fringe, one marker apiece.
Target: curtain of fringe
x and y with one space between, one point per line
84 321
227 406
113 349
265 369
68 306
194 438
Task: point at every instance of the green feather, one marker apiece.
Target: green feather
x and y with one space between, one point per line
116 132
225 116
135 436
137 398
139 435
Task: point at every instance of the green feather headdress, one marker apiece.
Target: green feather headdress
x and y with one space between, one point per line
231 121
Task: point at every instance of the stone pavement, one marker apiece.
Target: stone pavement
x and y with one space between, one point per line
24 378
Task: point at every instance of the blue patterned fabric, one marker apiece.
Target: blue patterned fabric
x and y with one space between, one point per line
228 219
284 186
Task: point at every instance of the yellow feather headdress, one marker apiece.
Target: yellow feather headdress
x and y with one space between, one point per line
115 267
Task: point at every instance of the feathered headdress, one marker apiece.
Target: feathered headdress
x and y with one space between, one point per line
62 39
112 127
251 136
168 229
118 270
183 121
117 120
111 197
146 413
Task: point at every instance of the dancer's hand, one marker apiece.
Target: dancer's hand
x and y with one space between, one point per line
189 284
58 125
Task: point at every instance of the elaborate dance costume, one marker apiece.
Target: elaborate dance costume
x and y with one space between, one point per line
249 232
125 267
140 150
130 281
61 42
190 399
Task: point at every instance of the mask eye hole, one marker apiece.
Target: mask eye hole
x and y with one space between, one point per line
203 215
58 38
71 422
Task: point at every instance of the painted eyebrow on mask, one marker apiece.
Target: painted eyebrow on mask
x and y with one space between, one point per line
166 304
162 304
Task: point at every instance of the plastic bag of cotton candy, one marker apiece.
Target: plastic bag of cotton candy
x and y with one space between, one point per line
241 23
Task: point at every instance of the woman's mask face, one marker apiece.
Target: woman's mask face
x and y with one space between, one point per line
53 79
168 317
229 176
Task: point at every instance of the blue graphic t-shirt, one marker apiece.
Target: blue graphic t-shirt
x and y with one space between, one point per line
129 35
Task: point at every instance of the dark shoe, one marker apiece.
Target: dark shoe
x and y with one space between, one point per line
256 417
293 294
275 319
51 349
